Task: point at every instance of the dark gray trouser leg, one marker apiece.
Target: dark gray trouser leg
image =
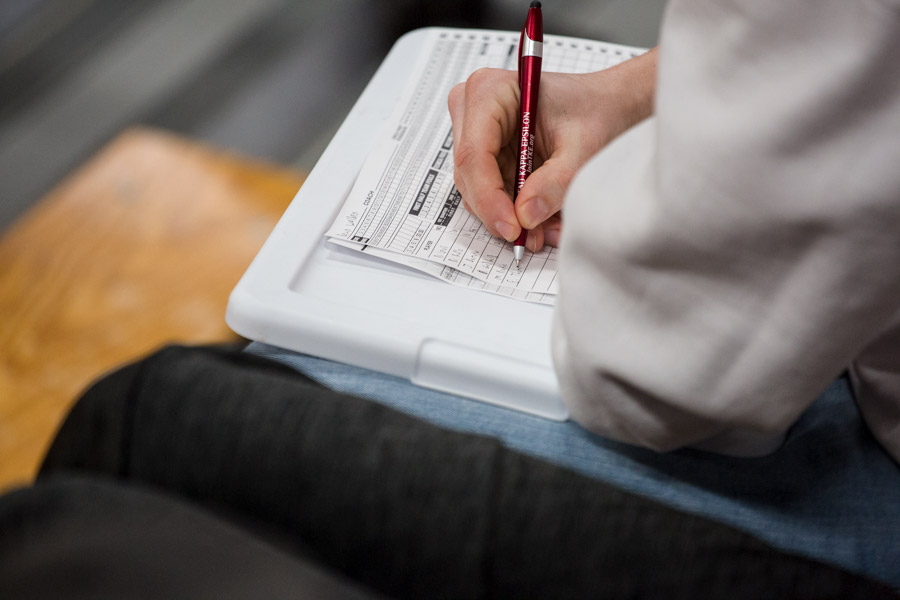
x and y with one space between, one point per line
405 507
86 538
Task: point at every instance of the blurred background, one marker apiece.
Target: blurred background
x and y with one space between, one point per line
270 79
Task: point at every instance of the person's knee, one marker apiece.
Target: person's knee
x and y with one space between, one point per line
92 436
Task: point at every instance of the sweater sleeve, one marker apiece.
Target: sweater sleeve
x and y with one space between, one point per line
724 260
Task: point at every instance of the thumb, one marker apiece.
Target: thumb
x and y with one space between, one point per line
543 192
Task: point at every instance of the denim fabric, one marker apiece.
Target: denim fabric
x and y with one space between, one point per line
830 492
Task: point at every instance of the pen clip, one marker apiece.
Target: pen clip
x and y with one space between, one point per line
529 47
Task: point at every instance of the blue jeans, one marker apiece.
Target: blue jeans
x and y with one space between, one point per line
830 492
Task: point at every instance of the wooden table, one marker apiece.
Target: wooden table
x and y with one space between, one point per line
139 247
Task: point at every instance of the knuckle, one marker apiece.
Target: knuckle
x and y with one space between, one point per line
456 95
486 79
562 177
480 77
464 156
459 183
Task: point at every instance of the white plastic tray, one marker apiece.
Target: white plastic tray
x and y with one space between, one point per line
308 295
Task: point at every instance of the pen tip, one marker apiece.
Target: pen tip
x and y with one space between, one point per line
535 4
517 263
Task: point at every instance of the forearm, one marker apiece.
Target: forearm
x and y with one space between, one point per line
626 91
723 261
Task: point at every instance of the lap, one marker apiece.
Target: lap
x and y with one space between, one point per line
830 492
87 537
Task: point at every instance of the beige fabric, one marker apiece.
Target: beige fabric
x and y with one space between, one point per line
725 260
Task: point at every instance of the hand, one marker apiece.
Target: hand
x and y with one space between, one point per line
577 116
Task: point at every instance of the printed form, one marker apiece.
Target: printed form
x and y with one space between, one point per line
404 206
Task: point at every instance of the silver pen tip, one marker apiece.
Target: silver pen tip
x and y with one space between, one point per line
518 253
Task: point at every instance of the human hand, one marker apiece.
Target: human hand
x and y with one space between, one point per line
577 116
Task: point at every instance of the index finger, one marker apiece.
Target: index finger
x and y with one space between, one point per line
483 111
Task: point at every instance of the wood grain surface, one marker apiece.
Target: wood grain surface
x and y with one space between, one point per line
138 248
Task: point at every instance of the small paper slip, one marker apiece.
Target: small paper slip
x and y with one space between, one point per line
404 206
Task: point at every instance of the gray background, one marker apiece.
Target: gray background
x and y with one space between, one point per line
271 79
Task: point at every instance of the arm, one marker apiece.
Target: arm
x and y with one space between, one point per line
726 259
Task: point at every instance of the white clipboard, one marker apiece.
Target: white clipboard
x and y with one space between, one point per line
305 294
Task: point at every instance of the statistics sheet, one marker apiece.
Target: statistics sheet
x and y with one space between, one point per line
404 206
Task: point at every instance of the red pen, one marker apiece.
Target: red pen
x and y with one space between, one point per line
531 48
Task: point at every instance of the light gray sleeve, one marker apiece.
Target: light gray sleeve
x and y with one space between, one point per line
725 260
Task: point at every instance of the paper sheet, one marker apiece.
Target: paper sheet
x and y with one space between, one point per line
404 206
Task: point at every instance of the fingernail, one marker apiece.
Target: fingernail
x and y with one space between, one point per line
534 213
507 231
